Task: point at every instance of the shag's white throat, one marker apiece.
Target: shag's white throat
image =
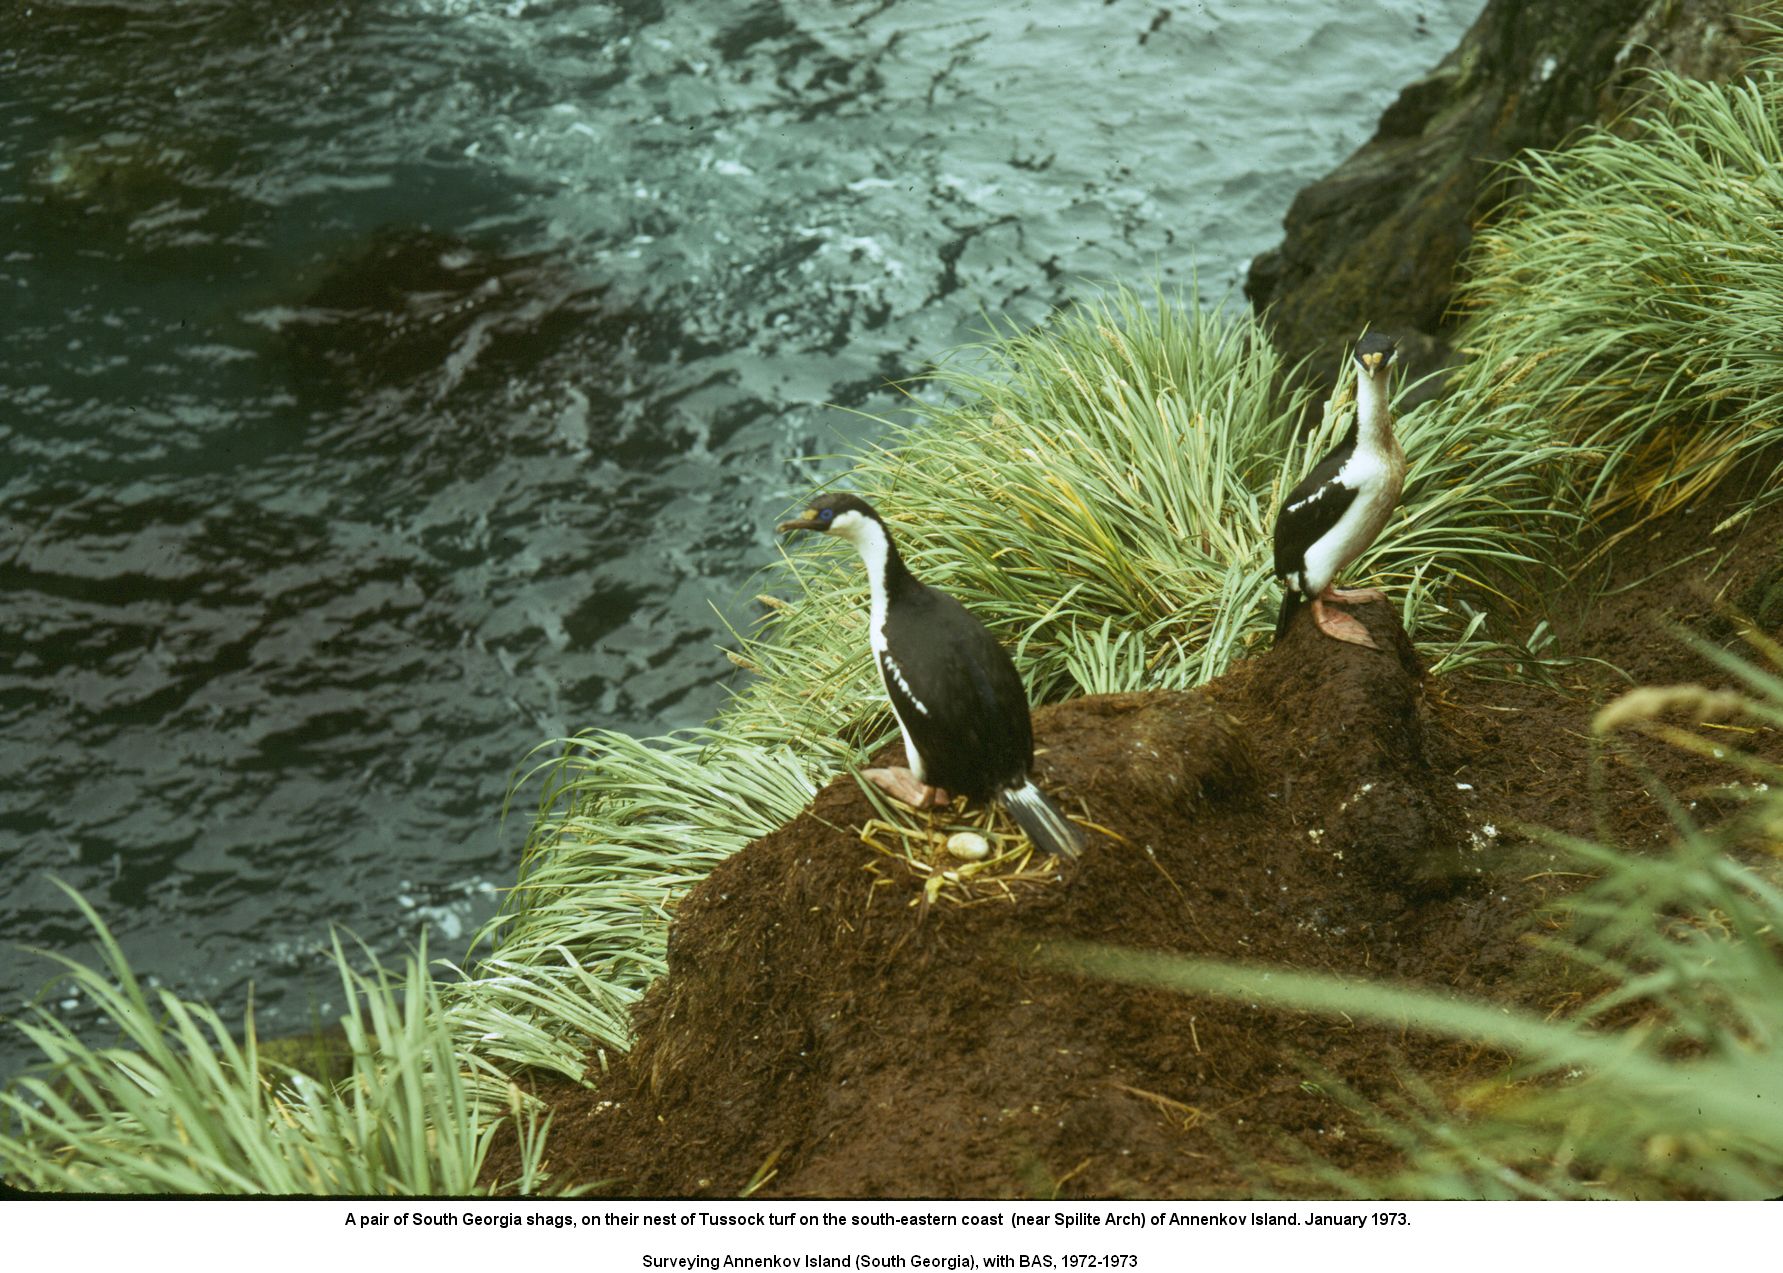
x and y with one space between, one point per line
870 540
1370 472
1374 417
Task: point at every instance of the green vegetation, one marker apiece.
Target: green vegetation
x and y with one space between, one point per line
185 1109
1108 487
1628 301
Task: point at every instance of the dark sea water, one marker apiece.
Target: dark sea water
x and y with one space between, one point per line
388 387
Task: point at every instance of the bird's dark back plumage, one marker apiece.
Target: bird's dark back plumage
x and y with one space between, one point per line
975 738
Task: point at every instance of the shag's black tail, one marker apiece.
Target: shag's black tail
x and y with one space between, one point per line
1292 601
1049 829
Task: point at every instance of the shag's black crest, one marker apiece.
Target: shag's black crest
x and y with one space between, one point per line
845 502
1376 343
823 510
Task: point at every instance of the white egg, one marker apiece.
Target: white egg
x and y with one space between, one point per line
968 846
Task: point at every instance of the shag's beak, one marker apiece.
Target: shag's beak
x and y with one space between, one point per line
807 522
1374 362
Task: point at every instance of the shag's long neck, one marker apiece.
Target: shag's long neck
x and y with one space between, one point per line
1374 419
886 573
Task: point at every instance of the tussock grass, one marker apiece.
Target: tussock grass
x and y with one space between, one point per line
1104 497
624 827
1628 301
183 1108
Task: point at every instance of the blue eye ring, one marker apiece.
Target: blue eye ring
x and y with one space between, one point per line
824 514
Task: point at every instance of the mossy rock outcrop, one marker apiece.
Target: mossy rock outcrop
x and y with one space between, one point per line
1378 241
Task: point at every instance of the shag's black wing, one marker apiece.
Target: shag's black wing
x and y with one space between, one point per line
1313 507
976 737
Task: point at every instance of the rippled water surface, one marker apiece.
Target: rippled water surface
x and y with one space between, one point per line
388 387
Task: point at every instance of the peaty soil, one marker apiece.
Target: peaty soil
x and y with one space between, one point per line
829 1029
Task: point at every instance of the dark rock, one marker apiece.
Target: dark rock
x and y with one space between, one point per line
1379 240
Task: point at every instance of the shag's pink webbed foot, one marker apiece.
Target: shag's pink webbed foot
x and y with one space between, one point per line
900 784
1335 623
1354 594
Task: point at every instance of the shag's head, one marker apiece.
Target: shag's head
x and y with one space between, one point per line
1375 353
838 512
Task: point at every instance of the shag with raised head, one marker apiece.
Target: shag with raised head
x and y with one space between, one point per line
958 700
1335 513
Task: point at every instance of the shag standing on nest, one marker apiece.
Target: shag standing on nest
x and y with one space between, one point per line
958 699
1332 517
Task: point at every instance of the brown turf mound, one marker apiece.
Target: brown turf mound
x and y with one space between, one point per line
826 1031
820 1019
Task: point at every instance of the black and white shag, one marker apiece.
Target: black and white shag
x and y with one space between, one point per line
957 697
1335 513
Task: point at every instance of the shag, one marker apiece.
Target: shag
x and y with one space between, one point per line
1335 513
958 699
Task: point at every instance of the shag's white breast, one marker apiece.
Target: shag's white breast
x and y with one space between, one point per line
1369 474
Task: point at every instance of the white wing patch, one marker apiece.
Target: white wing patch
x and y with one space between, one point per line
1324 490
897 674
